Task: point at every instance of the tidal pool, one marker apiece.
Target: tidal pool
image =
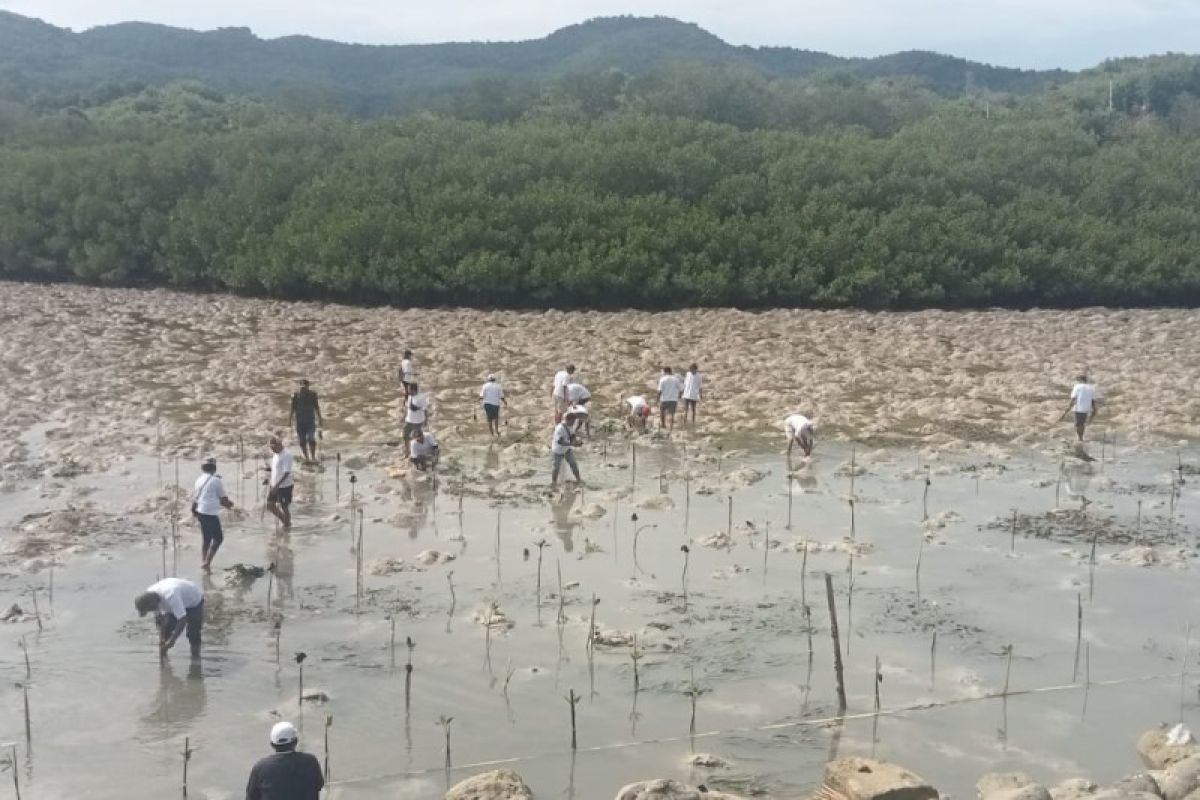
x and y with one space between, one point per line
108 720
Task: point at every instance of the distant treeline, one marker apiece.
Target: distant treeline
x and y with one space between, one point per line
706 194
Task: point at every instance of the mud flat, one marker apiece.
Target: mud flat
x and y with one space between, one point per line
971 551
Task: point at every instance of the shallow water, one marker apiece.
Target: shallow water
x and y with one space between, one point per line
103 707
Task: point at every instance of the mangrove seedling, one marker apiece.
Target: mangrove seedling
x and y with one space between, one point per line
445 721
572 701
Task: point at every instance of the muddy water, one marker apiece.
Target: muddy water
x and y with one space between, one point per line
109 721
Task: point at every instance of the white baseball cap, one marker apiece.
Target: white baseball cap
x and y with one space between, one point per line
284 733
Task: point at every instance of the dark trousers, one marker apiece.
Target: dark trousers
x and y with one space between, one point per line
195 620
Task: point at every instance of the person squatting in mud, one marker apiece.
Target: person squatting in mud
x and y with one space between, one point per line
208 499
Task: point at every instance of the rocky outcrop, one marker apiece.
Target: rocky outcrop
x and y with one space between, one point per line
867 779
667 789
500 784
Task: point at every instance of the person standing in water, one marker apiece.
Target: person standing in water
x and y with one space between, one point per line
208 498
562 448
693 390
287 774
416 412
408 374
492 395
1083 401
800 432
279 490
306 414
177 605
669 390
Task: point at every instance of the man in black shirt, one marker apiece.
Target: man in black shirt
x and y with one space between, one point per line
306 413
286 775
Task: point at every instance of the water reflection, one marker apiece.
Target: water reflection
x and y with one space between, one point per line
179 702
564 523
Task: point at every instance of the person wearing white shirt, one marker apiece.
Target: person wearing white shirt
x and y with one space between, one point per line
669 390
177 605
416 412
492 395
423 450
693 389
279 490
801 432
408 373
639 412
577 400
1083 402
559 393
562 448
207 500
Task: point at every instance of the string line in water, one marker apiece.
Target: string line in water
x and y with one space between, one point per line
774 726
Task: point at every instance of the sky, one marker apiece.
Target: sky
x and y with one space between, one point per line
1020 33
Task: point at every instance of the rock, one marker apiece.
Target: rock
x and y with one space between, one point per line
1180 779
315 696
705 760
431 557
1010 786
12 613
1141 783
500 784
1073 789
1158 753
667 789
868 779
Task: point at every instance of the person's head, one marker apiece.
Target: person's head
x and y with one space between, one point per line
275 444
569 418
491 378
694 368
284 737
1081 377
303 383
645 410
666 370
408 353
145 603
209 465
570 369
417 435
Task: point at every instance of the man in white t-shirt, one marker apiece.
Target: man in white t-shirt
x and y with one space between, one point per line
423 450
559 393
562 448
416 411
801 432
693 389
177 605
1083 402
208 498
669 390
279 490
639 413
408 373
492 395
577 401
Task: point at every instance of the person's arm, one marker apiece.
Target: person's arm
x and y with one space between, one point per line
254 785
169 641
1095 408
317 408
318 775
222 494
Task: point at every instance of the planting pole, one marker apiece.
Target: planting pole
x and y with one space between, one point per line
837 645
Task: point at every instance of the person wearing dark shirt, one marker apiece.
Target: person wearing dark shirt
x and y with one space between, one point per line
306 413
286 774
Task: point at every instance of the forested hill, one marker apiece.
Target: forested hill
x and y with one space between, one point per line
40 61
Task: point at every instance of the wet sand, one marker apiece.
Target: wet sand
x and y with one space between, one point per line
91 377
106 365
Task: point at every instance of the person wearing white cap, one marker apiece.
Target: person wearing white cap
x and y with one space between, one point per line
207 501
800 431
492 395
577 398
286 774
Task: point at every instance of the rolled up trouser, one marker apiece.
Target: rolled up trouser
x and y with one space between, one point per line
559 458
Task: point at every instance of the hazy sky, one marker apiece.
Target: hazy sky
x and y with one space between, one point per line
1025 33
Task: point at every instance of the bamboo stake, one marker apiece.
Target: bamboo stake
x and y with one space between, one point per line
25 650
635 656
789 518
37 614
187 756
1012 547
933 663
15 772
804 576
878 680
572 700
300 687
729 523
1007 669
328 725
1078 635
408 671
925 497
28 724
837 646
686 556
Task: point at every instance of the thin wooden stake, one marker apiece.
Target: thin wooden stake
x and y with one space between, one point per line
837 646
15 772
1007 670
1012 547
37 614
572 700
933 663
187 757
25 651
878 680
28 723
1078 635
328 725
